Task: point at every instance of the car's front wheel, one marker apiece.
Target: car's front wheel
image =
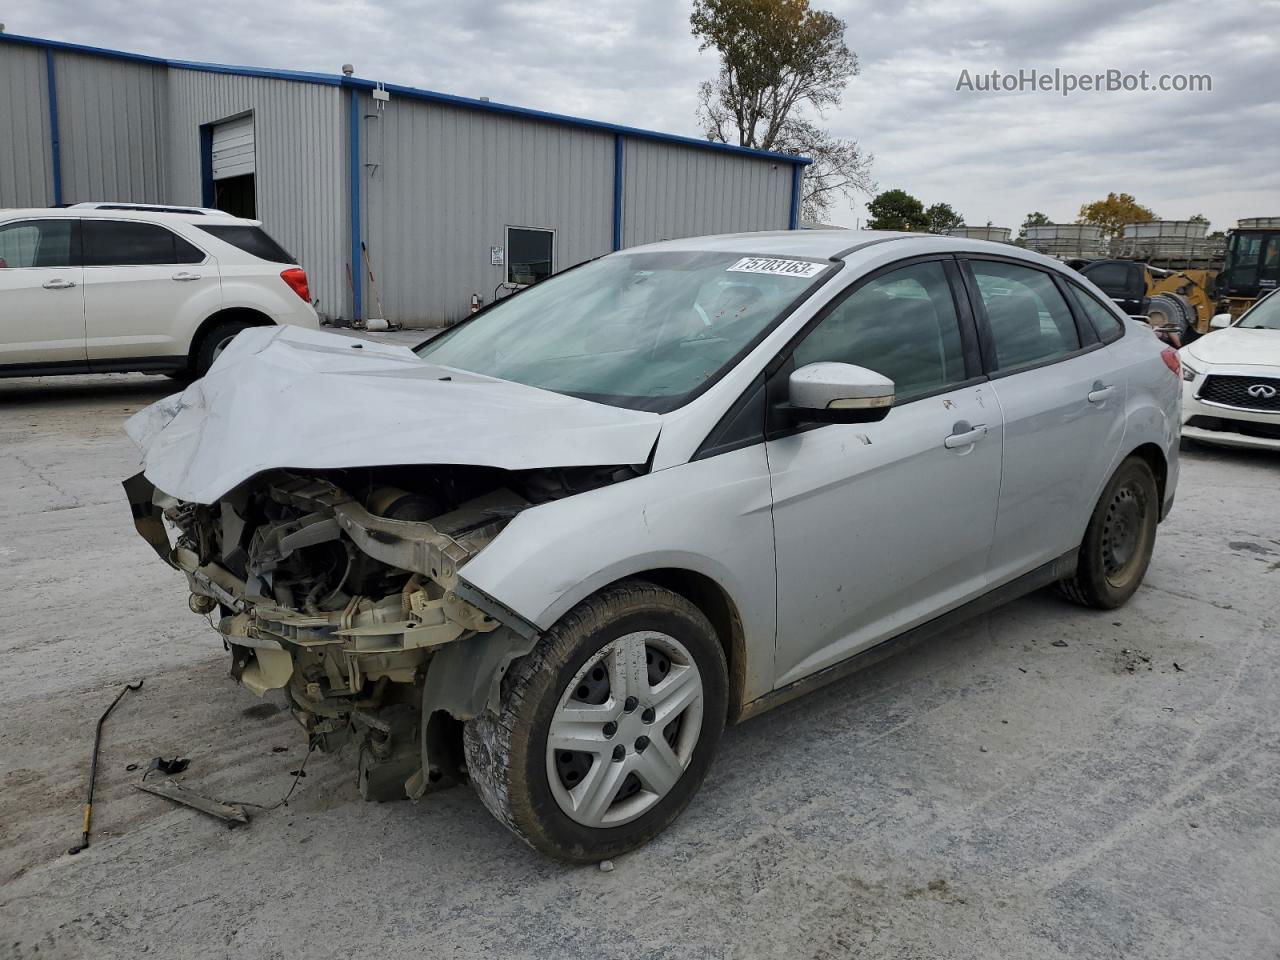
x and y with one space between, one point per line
607 728
1119 540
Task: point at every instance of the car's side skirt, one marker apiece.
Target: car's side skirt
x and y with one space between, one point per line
1051 572
113 365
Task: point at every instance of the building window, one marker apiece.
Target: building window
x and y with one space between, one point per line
529 254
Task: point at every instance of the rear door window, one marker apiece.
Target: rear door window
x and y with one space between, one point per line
1029 320
132 243
37 243
252 240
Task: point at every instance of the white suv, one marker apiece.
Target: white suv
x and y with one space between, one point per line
105 288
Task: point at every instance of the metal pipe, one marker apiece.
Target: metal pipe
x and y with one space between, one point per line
93 767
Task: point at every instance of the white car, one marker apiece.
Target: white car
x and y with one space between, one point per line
652 494
1231 393
108 288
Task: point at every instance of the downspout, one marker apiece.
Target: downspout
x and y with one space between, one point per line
356 274
797 177
619 151
55 137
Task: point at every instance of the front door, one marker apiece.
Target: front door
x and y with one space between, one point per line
41 296
879 527
1063 402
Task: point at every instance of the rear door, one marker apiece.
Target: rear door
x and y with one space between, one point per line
881 526
41 296
1063 404
145 289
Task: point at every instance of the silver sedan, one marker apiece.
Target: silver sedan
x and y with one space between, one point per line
553 551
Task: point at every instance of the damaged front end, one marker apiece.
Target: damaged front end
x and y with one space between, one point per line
341 588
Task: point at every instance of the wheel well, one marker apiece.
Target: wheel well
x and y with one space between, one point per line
1154 457
247 315
709 597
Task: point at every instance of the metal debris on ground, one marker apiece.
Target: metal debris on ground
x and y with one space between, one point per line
230 812
93 767
1059 643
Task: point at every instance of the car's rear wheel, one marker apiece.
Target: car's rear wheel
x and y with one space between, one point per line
1119 539
607 728
213 342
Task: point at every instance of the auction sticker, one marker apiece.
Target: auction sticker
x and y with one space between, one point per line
778 268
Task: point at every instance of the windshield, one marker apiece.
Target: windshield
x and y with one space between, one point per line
640 330
1264 316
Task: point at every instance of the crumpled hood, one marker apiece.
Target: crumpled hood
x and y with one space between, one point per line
289 397
1238 347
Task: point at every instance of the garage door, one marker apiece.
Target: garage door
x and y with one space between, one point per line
233 154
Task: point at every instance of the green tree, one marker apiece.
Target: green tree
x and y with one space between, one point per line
781 62
1199 218
942 218
896 210
1113 213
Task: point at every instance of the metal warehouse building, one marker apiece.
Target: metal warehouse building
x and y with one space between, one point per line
451 196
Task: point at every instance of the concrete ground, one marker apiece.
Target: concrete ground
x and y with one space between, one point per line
1046 782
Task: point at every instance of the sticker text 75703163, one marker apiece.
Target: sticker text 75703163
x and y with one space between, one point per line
778 267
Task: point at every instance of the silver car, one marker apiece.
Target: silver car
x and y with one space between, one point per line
554 550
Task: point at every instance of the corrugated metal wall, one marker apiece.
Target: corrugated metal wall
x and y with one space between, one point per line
301 164
111 116
441 184
675 191
26 162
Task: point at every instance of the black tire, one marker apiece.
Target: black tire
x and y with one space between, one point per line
1174 310
506 754
1118 542
211 342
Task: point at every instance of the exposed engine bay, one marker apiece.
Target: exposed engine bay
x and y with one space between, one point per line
341 589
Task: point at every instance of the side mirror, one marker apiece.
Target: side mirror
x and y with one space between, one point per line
839 393
1219 321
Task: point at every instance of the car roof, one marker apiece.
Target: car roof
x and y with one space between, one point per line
842 244
148 215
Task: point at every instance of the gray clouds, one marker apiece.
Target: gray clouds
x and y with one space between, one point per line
993 156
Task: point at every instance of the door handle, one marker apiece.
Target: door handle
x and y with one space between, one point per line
184 276
1099 393
58 284
965 437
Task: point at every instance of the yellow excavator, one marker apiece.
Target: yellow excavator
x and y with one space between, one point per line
1252 266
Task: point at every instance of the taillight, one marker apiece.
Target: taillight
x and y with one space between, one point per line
1168 355
296 278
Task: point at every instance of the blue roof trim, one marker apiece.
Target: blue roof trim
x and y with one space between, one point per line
429 96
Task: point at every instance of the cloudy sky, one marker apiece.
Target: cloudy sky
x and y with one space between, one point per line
993 156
